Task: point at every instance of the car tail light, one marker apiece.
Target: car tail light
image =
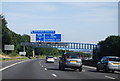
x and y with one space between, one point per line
108 59
80 56
66 55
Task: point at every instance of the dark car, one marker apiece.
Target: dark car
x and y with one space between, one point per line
70 60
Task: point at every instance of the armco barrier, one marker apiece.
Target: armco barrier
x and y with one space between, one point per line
90 62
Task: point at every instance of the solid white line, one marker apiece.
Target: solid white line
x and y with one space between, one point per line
117 72
109 77
89 67
54 75
12 65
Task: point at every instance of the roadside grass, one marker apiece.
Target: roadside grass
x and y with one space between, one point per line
44 56
10 57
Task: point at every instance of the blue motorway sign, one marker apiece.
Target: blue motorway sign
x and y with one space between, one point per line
42 32
39 37
48 37
52 37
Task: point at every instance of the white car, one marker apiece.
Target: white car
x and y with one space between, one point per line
50 59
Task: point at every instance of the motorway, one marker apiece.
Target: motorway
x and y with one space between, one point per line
39 69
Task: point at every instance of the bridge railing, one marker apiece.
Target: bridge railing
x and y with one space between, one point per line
68 45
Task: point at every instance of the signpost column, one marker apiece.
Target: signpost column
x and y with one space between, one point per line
33 53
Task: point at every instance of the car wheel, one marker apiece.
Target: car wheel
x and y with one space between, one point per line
62 68
112 71
105 69
80 69
59 67
75 69
97 69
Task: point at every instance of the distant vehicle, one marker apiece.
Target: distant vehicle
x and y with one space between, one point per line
70 60
109 63
50 59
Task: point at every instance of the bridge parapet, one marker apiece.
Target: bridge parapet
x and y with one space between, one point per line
68 45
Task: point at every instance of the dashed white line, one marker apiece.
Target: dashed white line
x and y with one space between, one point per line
83 70
109 77
12 65
42 65
54 75
45 68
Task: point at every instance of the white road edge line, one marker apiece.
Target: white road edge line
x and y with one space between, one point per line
12 65
54 75
83 70
109 77
89 67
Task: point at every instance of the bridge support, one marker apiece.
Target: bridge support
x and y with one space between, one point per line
23 48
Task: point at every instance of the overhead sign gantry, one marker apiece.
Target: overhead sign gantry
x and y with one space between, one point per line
45 36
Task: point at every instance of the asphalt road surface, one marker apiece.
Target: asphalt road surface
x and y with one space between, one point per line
39 69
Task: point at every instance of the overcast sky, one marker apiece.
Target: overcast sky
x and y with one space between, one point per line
84 22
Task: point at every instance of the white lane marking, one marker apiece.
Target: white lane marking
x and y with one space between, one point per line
83 70
42 65
109 77
117 72
54 75
12 65
89 67
45 68
40 62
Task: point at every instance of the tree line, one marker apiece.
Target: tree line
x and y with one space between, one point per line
108 47
11 38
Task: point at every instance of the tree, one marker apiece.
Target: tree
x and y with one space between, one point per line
109 47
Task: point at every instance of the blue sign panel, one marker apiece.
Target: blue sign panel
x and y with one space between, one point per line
52 37
39 37
43 32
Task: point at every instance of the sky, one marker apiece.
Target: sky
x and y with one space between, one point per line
83 22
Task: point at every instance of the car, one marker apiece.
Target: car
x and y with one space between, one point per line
50 59
109 63
70 60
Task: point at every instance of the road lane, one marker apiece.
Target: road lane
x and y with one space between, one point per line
87 73
28 70
39 69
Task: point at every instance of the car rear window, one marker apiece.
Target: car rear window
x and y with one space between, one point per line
114 59
74 56
49 57
118 59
